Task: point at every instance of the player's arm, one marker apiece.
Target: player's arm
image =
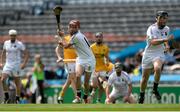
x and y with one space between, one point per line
3 57
108 100
153 39
25 57
129 89
65 44
108 87
57 51
62 42
158 41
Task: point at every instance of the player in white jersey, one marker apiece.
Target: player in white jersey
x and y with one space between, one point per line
122 86
85 62
153 56
11 55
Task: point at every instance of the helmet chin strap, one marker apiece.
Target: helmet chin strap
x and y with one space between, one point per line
161 27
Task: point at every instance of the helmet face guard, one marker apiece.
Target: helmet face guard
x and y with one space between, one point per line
75 22
118 66
160 15
73 27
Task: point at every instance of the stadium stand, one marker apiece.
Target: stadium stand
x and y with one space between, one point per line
120 19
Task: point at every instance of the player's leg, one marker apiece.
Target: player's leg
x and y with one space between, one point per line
94 86
73 82
110 100
64 88
72 77
87 76
17 81
101 79
143 84
130 99
1 92
112 97
100 92
79 72
157 74
89 68
146 70
4 78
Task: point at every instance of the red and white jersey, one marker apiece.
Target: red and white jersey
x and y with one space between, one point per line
154 32
119 83
82 46
13 51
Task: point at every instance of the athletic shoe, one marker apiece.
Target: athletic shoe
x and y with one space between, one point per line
6 101
141 100
77 100
157 95
17 101
98 101
60 100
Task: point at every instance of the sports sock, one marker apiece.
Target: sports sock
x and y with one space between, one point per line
142 94
79 93
17 98
85 96
155 86
6 94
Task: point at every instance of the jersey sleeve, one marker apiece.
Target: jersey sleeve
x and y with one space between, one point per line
4 46
150 33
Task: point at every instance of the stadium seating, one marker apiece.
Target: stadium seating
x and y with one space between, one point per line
120 19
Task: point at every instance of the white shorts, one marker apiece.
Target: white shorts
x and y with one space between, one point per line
70 67
88 65
148 60
95 75
102 74
11 70
117 94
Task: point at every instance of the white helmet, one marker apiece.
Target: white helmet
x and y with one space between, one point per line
12 32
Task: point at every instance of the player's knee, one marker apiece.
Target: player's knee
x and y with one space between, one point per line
93 85
157 65
144 79
78 77
157 68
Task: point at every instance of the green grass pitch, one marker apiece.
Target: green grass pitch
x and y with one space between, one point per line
88 107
